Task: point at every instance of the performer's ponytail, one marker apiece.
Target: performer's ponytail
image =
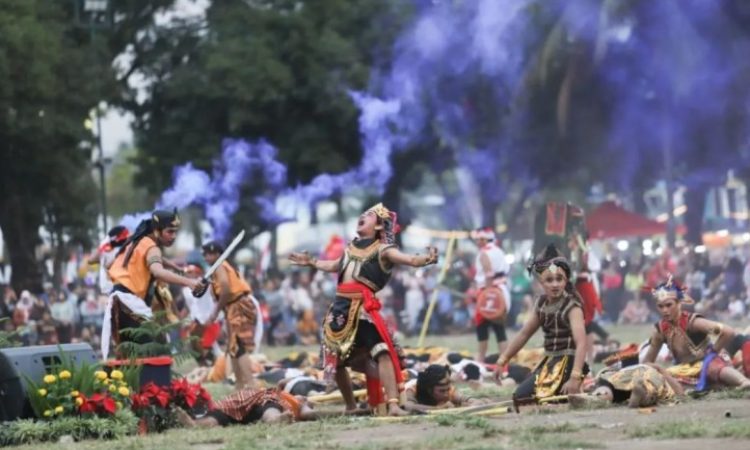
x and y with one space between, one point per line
142 230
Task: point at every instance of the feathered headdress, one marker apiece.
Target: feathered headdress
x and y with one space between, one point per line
670 289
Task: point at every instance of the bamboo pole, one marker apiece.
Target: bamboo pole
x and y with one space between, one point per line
335 396
433 298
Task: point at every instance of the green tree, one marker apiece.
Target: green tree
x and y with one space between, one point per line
56 65
276 70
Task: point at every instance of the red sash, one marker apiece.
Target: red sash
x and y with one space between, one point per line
372 305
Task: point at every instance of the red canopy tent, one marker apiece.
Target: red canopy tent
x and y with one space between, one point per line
609 220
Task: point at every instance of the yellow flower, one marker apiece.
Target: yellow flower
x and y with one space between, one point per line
79 401
100 375
49 379
124 391
64 375
48 413
112 388
75 393
107 382
42 392
119 405
116 375
59 410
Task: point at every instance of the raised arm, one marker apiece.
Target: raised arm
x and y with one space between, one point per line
723 333
304 259
529 328
397 257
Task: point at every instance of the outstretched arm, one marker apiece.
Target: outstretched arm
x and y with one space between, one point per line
169 264
155 265
304 259
397 257
529 328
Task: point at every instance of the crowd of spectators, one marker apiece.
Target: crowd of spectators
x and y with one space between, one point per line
294 302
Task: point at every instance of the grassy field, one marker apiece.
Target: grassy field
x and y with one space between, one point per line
721 420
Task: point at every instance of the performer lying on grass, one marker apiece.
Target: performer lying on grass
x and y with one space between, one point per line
353 329
433 389
248 406
699 362
558 311
639 386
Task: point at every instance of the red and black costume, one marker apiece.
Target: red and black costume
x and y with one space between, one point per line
354 332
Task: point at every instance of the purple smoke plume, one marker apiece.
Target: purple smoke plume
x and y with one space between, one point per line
459 73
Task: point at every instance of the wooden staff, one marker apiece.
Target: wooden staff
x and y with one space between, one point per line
518 402
433 297
335 396
471 409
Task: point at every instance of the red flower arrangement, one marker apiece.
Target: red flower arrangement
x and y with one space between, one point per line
99 404
155 405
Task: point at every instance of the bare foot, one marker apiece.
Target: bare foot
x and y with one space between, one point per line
184 418
396 411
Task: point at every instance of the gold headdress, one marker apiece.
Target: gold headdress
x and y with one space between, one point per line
380 211
554 269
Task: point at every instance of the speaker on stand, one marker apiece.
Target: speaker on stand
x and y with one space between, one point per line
34 362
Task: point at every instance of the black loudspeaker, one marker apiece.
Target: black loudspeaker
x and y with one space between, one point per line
34 362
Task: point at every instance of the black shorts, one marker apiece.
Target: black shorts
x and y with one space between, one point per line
367 336
483 331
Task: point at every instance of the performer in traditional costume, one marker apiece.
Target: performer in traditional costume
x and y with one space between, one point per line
558 311
699 362
248 406
354 333
433 389
493 300
241 311
134 272
639 386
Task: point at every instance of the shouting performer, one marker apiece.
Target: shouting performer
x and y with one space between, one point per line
687 335
558 311
136 268
353 331
241 311
493 301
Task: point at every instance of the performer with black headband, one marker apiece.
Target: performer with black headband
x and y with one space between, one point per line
355 334
558 311
433 389
234 297
138 263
